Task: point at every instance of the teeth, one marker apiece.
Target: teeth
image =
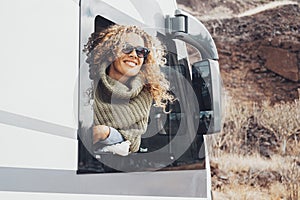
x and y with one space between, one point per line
131 63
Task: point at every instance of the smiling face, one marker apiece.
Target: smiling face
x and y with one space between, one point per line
127 65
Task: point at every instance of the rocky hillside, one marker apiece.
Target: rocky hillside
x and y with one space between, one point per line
259 60
259 54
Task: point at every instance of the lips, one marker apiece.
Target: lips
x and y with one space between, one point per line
131 63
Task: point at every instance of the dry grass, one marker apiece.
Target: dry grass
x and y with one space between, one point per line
283 119
255 178
257 155
241 192
236 163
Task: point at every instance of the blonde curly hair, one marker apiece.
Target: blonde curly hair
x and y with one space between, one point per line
104 46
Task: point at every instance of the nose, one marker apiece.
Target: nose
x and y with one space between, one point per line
133 54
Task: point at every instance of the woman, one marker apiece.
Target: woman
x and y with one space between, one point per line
125 68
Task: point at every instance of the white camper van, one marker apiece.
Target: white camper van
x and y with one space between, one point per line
46 116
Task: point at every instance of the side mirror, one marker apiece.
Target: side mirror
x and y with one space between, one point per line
206 81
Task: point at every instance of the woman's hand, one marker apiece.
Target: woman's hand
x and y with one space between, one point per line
100 132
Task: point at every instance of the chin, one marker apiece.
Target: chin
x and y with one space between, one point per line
132 74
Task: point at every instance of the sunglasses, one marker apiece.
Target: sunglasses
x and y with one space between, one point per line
141 52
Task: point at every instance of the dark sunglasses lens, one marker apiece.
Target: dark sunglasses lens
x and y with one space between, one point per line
127 49
142 52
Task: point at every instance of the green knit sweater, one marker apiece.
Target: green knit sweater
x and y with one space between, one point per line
123 107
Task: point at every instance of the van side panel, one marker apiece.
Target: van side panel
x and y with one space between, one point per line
39 59
38 83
